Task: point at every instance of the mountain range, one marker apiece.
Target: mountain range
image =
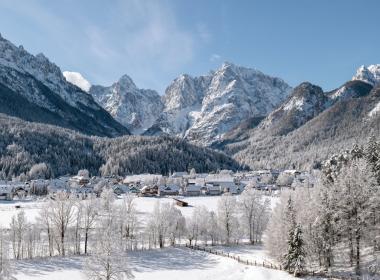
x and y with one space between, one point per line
34 89
253 117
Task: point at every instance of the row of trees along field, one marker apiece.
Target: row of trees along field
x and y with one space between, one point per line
336 225
105 229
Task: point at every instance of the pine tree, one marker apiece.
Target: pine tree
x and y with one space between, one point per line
290 216
372 155
288 257
298 253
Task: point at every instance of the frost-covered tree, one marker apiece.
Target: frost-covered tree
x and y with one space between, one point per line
90 212
5 267
39 171
323 235
275 240
44 220
107 198
254 209
213 227
294 251
62 215
227 216
192 224
108 260
355 186
18 228
372 156
164 222
127 220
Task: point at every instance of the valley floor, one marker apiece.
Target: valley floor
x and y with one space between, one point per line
144 206
169 263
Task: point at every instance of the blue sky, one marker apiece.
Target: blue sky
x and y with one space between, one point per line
322 41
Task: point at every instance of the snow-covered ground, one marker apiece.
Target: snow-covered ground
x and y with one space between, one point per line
144 206
251 253
168 264
8 210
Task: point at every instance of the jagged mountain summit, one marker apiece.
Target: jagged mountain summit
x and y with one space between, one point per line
135 108
34 89
203 109
370 74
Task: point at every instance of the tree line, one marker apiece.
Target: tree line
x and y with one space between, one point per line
330 226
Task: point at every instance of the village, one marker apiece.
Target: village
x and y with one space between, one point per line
157 185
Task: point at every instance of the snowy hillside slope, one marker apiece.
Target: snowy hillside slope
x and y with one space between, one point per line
37 85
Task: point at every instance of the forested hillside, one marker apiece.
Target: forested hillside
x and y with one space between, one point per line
349 121
57 151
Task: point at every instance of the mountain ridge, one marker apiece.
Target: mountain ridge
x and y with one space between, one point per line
43 85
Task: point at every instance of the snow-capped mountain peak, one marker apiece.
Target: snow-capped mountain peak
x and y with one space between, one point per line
77 79
369 74
135 108
36 82
204 108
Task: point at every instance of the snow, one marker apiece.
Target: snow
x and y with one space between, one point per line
170 263
251 253
8 210
135 108
15 61
295 103
77 79
374 111
209 106
144 206
370 74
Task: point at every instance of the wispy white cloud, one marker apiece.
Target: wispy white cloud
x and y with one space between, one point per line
77 79
155 35
144 39
150 40
215 57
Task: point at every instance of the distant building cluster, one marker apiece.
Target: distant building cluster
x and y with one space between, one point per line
156 185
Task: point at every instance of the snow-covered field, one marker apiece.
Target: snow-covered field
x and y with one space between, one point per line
251 253
144 205
168 264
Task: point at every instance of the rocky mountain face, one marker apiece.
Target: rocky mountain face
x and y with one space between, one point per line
309 126
305 102
33 88
203 109
370 74
137 109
